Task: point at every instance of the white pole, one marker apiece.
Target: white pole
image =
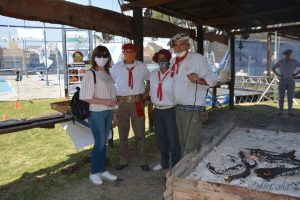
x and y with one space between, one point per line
64 53
249 61
275 47
45 46
58 70
18 79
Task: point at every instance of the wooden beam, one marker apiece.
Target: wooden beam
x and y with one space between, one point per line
228 6
67 13
215 37
200 39
137 27
37 122
226 20
266 29
145 4
72 14
291 37
163 29
232 71
178 15
269 54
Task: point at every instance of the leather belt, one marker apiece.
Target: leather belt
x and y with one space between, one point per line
129 99
163 107
189 108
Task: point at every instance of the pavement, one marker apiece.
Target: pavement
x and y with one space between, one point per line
33 87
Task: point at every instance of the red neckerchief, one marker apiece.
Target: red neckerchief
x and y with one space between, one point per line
130 77
159 88
175 66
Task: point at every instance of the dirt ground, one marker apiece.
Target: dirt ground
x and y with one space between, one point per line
135 184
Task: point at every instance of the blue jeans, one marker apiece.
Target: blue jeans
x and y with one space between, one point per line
289 86
167 136
100 124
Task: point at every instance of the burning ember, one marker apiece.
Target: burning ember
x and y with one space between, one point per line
268 163
256 156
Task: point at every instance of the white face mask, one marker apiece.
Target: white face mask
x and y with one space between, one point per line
180 54
101 61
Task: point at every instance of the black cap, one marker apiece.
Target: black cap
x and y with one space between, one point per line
287 51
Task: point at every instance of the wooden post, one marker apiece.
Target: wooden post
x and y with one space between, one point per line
137 28
200 39
232 71
269 54
214 97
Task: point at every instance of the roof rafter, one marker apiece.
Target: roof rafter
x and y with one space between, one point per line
269 29
251 16
145 4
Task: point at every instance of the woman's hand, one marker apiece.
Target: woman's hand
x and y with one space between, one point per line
110 102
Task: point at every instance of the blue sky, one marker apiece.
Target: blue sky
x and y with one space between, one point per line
4 33
106 4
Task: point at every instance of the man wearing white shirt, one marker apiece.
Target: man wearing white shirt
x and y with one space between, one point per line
192 77
130 77
161 95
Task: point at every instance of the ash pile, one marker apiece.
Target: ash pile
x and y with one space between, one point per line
254 158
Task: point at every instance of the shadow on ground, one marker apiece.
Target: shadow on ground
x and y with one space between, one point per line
69 179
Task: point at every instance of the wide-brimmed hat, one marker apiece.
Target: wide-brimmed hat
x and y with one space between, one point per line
130 46
178 37
162 51
287 51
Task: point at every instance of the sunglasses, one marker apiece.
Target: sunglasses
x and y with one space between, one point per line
102 55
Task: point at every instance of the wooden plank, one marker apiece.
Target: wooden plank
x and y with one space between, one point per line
38 122
217 191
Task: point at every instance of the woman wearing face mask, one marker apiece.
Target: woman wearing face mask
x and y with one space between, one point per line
102 99
164 111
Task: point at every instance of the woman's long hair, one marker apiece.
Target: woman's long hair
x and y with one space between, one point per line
101 50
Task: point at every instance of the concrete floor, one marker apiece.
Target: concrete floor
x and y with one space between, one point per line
32 87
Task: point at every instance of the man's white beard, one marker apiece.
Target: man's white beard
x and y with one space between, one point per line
180 54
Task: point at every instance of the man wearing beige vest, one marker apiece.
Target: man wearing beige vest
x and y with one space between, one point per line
132 85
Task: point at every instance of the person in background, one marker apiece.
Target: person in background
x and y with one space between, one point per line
287 72
130 77
19 75
192 77
161 95
102 99
77 57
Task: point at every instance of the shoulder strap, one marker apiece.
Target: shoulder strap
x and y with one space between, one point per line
94 76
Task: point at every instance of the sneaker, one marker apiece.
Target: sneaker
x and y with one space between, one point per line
108 176
95 179
157 167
